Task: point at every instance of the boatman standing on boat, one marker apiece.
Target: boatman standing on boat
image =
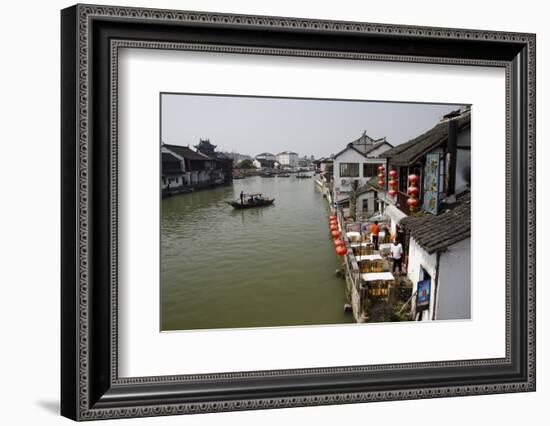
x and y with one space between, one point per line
242 197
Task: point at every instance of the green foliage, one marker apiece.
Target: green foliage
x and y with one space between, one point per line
400 313
380 311
245 164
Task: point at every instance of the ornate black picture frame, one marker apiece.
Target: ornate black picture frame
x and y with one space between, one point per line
91 37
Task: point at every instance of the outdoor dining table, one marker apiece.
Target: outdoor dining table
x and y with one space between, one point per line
378 276
365 244
353 235
375 286
370 257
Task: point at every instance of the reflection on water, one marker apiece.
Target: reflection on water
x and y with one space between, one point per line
271 266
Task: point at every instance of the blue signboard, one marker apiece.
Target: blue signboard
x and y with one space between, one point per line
431 183
423 294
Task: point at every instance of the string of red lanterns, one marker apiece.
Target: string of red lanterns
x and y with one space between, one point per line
412 192
393 183
341 251
339 245
381 176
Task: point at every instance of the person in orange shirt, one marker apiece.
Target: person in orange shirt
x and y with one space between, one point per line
374 229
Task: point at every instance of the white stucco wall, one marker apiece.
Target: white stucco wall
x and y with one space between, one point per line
370 196
395 216
450 297
382 148
342 185
453 299
174 181
341 189
419 258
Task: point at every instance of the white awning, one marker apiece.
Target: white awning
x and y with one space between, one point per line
394 213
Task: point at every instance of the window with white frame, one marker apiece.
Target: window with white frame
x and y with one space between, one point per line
349 169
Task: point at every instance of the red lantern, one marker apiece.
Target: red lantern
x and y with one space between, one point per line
413 178
392 192
412 202
381 183
331 217
381 168
335 233
341 251
393 173
381 176
392 183
412 191
334 227
333 222
339 243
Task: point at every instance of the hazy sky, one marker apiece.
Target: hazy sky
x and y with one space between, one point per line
309 127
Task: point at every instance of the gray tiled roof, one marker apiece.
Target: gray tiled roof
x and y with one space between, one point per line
171 165
411 151
187 152
437 232
366 149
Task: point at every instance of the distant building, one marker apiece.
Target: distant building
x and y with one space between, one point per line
236 157
185 169
261 163
266 156
287 159
223 171
195 167
305 161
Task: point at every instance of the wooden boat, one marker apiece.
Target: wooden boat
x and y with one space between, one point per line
250 201
283 175
267 175
302 176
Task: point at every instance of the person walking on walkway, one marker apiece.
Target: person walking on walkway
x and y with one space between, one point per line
374 229
242 197
397 256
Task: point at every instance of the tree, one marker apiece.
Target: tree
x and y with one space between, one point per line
245 164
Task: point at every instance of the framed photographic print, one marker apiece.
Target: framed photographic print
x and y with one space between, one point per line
263 212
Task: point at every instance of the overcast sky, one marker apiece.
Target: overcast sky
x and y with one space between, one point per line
309 127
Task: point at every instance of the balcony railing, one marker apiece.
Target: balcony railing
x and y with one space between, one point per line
401 202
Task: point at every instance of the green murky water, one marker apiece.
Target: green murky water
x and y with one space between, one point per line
271 266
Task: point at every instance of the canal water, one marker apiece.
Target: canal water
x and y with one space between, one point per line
262 267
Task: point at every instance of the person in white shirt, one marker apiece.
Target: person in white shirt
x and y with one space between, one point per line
397 255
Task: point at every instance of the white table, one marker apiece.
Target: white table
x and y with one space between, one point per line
368 257
378 276
353 235
353 245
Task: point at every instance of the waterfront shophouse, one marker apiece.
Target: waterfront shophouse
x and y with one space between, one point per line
436 233
355 165
196 166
